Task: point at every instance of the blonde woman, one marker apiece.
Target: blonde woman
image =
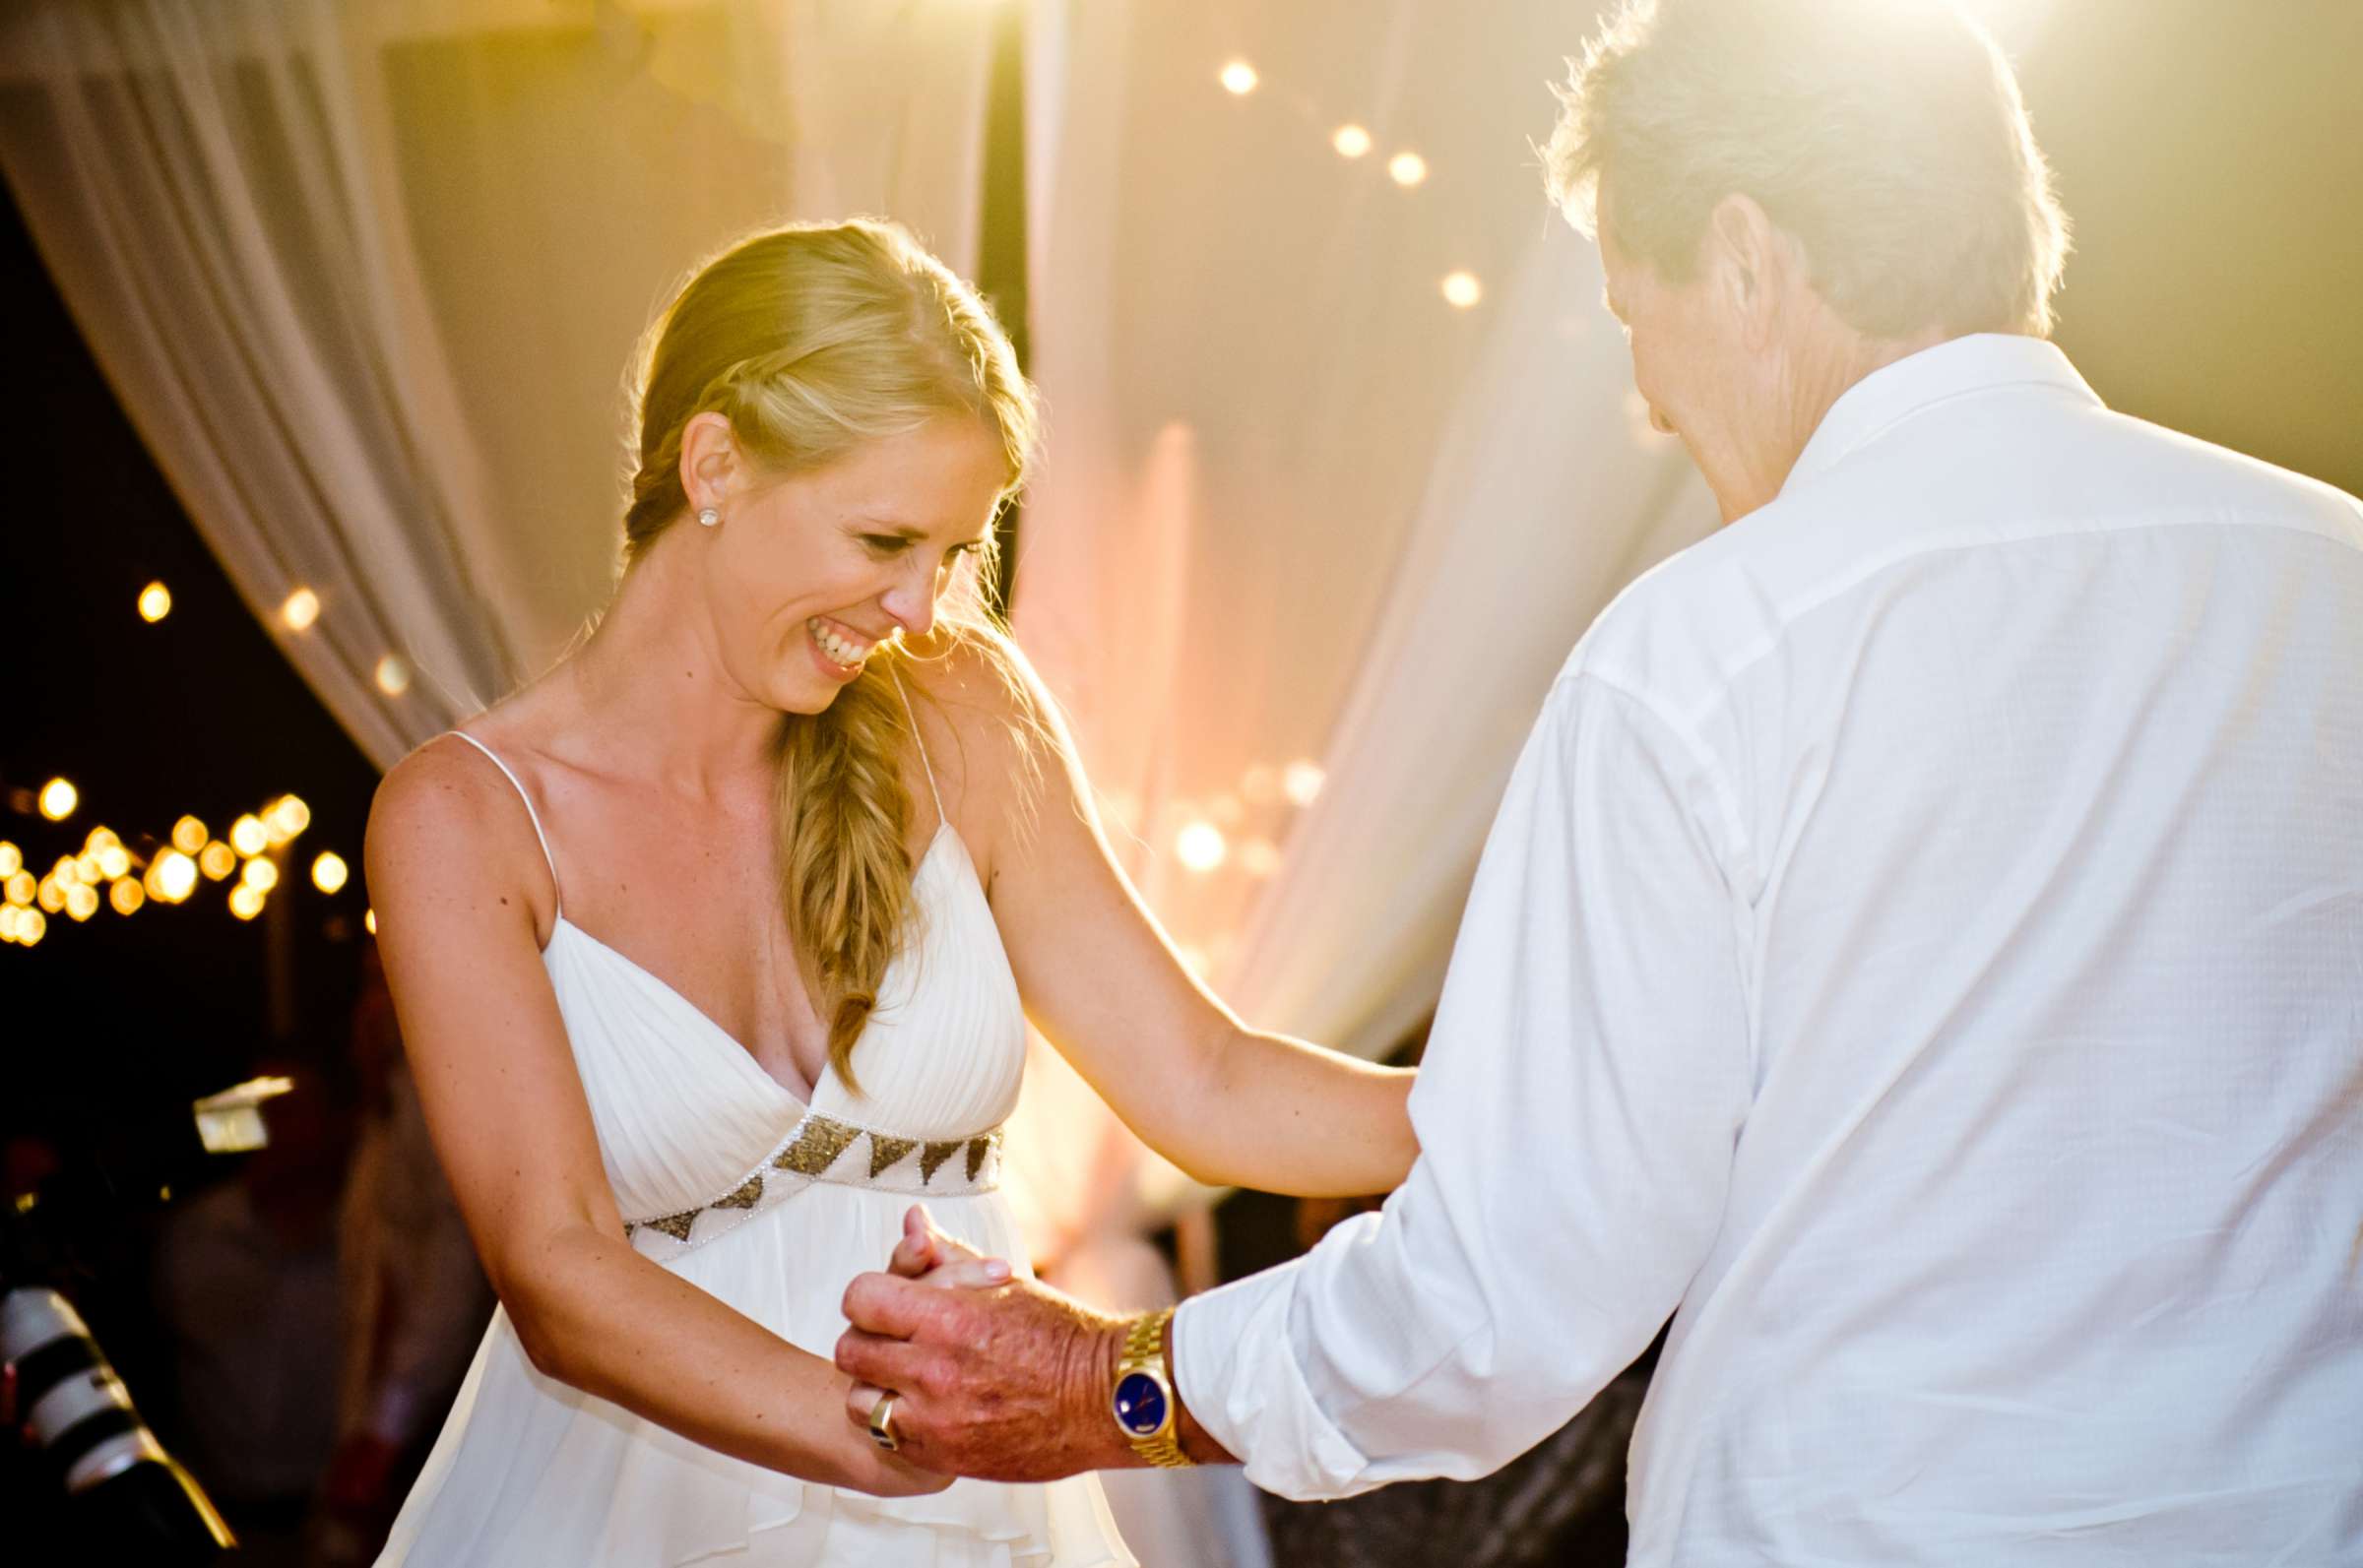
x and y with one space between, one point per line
710 948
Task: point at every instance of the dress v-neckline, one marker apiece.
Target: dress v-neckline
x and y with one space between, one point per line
944 830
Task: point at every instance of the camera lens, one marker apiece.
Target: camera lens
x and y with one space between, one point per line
118 1477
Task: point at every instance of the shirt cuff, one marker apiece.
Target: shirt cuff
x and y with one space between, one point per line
1235 1368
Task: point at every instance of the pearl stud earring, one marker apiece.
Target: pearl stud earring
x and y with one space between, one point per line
707 517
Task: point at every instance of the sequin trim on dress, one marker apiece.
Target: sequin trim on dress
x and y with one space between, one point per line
815 1150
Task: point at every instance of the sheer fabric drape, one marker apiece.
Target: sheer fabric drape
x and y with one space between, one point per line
368 274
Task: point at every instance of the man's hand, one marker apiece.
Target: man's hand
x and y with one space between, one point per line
1004 1380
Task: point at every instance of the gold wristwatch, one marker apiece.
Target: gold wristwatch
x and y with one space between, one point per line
1143 1402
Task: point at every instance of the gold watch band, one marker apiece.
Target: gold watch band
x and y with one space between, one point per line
1144 1352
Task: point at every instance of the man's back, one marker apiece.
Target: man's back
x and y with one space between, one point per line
2037 738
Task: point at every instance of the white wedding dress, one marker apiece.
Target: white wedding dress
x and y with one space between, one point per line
726 1179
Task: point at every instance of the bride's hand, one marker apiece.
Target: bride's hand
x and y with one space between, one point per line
930 1257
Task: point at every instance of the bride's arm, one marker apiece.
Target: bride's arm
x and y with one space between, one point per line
455 879
1228 1105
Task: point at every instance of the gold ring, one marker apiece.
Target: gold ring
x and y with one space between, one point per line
881 1423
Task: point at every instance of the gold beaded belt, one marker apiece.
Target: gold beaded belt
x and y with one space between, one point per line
820 1149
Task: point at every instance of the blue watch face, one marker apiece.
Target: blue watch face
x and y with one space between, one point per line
1139 1405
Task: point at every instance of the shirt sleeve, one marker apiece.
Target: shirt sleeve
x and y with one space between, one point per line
1584 1084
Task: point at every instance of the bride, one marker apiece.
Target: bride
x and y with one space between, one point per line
713 950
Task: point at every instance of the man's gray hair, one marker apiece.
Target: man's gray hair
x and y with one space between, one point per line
1885 136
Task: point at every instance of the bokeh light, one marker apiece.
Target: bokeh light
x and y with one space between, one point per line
126 894
285 818
393 676
171 876
301 610
1407 169
1461 290
82 902
260 875
1239 79
1201 846
59 798
1302 782
329 872
1351 141
156 603
248 836
245 902
189 834
217 860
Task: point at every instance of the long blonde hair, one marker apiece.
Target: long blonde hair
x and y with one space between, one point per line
811 339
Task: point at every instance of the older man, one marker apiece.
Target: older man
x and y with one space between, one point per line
1921 948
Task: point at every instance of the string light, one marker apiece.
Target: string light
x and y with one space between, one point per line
1200 846
217 860
1462 290
329 872
301 610
126 894
245 902
393 676
171 877
59 798
285 818
156 603
1302 782
1351 141
1238 78
248 836
1407 169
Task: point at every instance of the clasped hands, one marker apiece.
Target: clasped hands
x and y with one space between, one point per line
994 1375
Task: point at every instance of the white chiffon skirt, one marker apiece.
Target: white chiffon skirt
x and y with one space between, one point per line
530 1473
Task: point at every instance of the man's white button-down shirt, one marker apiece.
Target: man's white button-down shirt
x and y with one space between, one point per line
1922 942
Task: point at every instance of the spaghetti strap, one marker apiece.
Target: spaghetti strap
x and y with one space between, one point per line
558 897
921 741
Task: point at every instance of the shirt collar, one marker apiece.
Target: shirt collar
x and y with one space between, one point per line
1958 366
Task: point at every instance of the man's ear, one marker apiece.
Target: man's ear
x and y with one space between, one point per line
1750 260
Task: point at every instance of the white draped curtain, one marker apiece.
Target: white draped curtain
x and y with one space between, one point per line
1312 540
366 274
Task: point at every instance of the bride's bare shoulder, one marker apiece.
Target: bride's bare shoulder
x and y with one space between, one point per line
979 692
446 813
